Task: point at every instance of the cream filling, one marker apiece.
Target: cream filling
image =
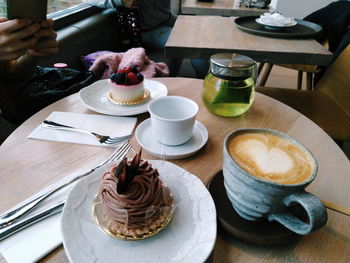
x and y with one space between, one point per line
127 95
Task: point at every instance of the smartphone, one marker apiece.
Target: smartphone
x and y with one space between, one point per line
35 10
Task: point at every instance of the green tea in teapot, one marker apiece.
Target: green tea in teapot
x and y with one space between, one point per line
229 86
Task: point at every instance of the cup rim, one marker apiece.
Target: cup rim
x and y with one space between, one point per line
150 105
279 134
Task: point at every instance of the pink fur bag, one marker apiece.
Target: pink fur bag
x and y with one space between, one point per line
109 63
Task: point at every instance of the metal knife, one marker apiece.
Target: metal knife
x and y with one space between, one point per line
22 224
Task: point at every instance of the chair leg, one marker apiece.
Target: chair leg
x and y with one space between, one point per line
261 66
309 81
300 79
266 74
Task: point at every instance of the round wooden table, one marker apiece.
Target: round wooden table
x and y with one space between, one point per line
27 166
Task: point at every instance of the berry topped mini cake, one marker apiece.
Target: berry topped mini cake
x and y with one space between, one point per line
126 87
135 202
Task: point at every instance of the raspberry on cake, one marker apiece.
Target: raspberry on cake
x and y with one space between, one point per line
135 202
126 87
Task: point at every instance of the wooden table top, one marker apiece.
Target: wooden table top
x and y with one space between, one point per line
202 36
219 8
37 164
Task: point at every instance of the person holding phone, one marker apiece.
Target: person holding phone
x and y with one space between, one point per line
154 14
21 40
156 21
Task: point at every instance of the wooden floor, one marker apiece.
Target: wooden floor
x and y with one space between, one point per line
284 77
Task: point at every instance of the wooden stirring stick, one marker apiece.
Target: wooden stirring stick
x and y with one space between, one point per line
337 208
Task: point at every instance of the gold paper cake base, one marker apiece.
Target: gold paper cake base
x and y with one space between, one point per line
146 96
100 220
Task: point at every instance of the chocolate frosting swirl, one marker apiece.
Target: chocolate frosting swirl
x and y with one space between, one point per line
141 204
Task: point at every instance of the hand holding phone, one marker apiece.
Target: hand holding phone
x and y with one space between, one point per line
47 43
16 37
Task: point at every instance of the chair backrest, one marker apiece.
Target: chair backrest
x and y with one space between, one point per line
336 81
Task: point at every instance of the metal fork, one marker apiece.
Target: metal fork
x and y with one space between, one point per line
103 139
14 215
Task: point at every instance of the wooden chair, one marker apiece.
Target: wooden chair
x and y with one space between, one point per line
329 104
310 70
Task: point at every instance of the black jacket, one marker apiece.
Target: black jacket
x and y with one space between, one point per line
335 21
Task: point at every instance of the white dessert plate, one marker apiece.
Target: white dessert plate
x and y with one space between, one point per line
271 26
147 141
189 237
95 97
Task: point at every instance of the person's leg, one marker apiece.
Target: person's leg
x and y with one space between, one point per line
155 39
201 67
154 42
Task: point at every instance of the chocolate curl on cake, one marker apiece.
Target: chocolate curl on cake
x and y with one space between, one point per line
126 172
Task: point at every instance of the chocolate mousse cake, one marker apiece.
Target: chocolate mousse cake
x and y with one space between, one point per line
135 202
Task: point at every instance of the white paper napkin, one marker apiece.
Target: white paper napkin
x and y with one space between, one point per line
34 242
103 124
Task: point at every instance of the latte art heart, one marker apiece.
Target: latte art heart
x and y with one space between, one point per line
271 157
268 160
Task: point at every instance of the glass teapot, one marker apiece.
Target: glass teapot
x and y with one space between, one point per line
229 86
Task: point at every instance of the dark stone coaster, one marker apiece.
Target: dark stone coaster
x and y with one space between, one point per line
259 233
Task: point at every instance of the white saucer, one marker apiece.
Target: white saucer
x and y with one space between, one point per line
95 97
147 141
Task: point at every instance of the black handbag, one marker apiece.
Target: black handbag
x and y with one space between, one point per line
46 86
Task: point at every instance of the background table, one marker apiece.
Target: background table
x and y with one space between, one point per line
220 8
28 166
202 36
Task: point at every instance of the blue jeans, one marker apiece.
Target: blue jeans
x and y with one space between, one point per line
154 43
155 39
200 66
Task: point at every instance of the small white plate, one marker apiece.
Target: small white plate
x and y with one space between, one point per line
95 97
270 26
189 237
147 141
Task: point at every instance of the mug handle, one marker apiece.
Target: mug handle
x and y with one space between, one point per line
312 205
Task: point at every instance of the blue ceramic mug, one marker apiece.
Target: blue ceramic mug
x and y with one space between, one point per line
265 172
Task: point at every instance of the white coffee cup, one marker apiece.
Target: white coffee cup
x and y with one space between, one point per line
172 119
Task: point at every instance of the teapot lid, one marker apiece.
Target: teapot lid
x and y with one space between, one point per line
232 65
232 60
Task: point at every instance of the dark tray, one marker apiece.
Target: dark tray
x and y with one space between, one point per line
303 29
